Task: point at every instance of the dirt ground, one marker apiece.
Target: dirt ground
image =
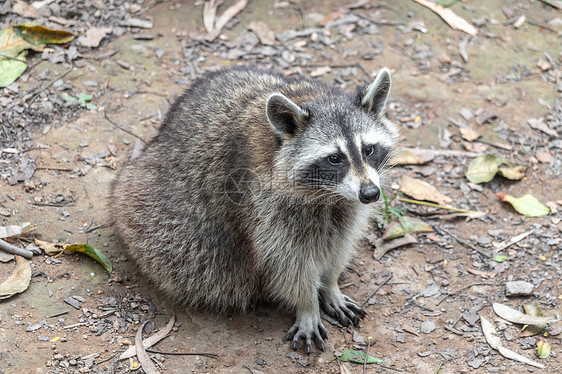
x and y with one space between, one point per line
424 316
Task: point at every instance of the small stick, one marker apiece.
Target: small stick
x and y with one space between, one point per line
52 168
210 355
57 314
435 205
15 250
366 355
121 128
460 241
378 288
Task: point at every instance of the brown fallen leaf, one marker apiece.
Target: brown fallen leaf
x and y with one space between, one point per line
25 10
18 281
320 71
469 134
481 273
411 157
145 361
515 316
544 157
455 21
332 17
151 340
494 341
266 36
382 246
93 37
422 190
227 15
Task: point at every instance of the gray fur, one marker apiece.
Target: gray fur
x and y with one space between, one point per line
281 238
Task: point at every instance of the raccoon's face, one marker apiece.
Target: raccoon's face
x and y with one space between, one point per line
336 144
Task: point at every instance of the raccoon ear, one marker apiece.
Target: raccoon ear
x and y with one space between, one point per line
373 98
284 115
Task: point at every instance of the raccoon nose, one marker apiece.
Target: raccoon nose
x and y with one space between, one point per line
369 193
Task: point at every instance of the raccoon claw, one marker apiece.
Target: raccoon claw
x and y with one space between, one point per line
306 329
344 309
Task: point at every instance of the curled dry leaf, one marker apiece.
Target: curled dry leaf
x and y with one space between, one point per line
531 330
483 169
494 341
515 316
528 205
422 190
151 340
382 246
18 281
145 361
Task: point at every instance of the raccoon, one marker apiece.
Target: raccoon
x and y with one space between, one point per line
258 187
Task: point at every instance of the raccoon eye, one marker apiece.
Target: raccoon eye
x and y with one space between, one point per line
334 159
369 150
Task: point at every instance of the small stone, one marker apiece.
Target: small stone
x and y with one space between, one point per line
58 356
466 114
476 363
427 327
517 288
72 302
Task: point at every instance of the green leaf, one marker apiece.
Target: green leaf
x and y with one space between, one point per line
91 106
483 169
11 68
358 357
82 98
92 252
499 258
11 44
38 36
406 225
528 205
543 349
68 98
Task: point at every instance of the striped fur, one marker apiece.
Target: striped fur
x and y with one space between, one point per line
235 200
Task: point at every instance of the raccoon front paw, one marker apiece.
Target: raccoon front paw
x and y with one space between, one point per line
343 308
308 328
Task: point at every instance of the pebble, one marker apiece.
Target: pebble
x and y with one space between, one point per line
466 114
517 288
427 327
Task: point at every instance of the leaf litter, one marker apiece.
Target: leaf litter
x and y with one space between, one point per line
18 281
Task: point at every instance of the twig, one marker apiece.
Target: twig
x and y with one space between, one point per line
513 240
404 200
15 250
460 241
375 291
455 21
52 168
121 128
210 355
461 289
366 355
36 94
58 314
90 229
555 3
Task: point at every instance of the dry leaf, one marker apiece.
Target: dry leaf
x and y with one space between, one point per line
25 10
94 36
422 190
481 273
469 134
145 361
18 281
382 246
494 341
412 157
266 36
456 22
515 316
406 225
320 71
544 157
151 340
